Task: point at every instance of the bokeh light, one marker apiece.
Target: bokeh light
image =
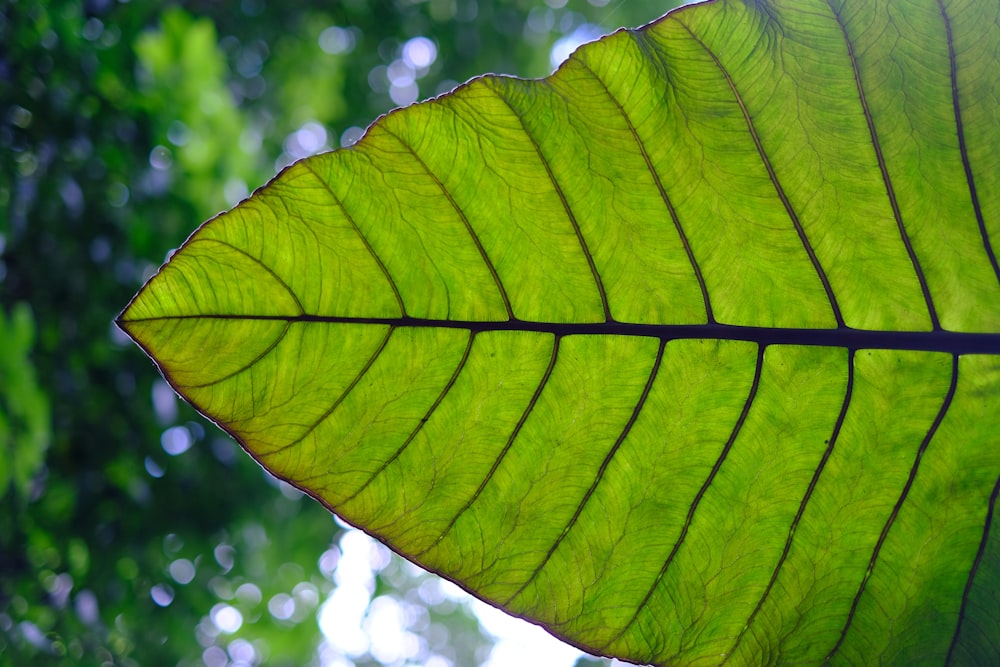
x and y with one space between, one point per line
419 52
226 618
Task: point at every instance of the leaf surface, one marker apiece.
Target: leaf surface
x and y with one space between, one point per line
688 353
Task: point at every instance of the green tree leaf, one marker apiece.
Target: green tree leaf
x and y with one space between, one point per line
688 353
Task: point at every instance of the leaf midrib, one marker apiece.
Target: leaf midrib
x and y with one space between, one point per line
951 342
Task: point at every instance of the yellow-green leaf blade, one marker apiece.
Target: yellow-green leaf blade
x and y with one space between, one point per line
688 353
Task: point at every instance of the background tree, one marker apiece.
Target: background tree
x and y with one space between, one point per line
132 532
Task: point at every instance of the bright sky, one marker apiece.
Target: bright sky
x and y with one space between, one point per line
519 643
384 632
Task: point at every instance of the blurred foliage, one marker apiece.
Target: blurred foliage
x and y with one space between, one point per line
24 409
182 90
133 532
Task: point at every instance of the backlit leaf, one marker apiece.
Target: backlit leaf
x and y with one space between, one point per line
688 353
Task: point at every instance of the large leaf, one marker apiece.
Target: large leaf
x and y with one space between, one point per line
688 353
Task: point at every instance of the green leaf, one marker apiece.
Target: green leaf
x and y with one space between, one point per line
688 353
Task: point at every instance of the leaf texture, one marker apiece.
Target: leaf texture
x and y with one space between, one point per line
689 353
